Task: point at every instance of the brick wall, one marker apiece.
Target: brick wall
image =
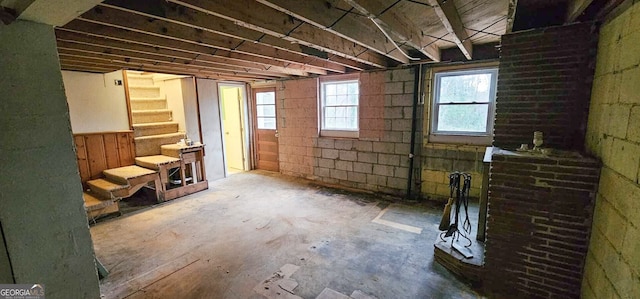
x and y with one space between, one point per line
544 85
538 225
613 263
377 161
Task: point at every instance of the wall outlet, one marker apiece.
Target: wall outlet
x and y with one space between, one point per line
117 82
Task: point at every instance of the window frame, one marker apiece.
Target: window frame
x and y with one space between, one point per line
344 133
476 138
275 114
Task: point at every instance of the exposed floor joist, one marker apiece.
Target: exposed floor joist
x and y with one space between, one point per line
110 17
84 32
397 26
325 15
448 14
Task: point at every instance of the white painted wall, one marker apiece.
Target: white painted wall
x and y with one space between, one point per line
96 104
190 101
172 88
211 128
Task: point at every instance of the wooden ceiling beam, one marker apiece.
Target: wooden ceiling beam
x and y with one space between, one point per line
511 15
324 14
145 49
158 68
81 68
232 18
115 18
71 48
404 30
576 8
448 14
79 30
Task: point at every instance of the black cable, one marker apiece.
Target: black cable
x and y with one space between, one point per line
390 6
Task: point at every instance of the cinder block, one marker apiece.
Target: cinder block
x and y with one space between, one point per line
429 187
321 172
402 148
618 120
363 146
630 249
326 143
344 144
435 176
633 133
401 125
357 177
384 147
408 112
610 222
396 183
404 74
375 179
326 163
388 100
338 174
389 159
394 113
383 170
441 164
344 165
409 87
406 137
362 167
394 88
630 56
405 161
401 172
443 190
402 100
330 153
368 157
626 159
349 155
392 136
464 165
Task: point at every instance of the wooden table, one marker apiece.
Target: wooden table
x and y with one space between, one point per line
192 173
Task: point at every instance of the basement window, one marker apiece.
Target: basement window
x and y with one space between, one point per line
339 108
463 106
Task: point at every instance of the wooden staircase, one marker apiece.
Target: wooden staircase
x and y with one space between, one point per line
153 123
119 183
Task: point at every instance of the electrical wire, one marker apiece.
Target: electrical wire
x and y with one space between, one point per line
392 41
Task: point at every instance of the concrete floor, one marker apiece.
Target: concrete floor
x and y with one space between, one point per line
226 241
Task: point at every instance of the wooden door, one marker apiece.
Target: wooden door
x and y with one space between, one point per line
266 130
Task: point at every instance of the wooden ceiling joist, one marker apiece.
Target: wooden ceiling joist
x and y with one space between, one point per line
158 67
231 18
110 17
108 45
448 14
397 26
326 15
97 51
87 32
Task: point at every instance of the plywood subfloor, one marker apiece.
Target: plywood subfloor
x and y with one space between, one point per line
224 242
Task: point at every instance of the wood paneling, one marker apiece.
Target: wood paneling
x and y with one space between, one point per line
96 152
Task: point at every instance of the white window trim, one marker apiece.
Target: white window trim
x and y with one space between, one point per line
481 138
346 133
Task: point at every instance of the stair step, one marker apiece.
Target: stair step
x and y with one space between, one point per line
108 189
141 91
150 145
140 80
122 175
151 116
148 129
148 103
97 206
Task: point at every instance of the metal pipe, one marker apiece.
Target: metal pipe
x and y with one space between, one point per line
417 87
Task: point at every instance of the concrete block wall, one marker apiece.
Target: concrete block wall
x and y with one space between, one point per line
377 161
613 263
297 112
544 85
440 160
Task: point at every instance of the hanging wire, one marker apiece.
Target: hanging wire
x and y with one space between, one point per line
392 41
